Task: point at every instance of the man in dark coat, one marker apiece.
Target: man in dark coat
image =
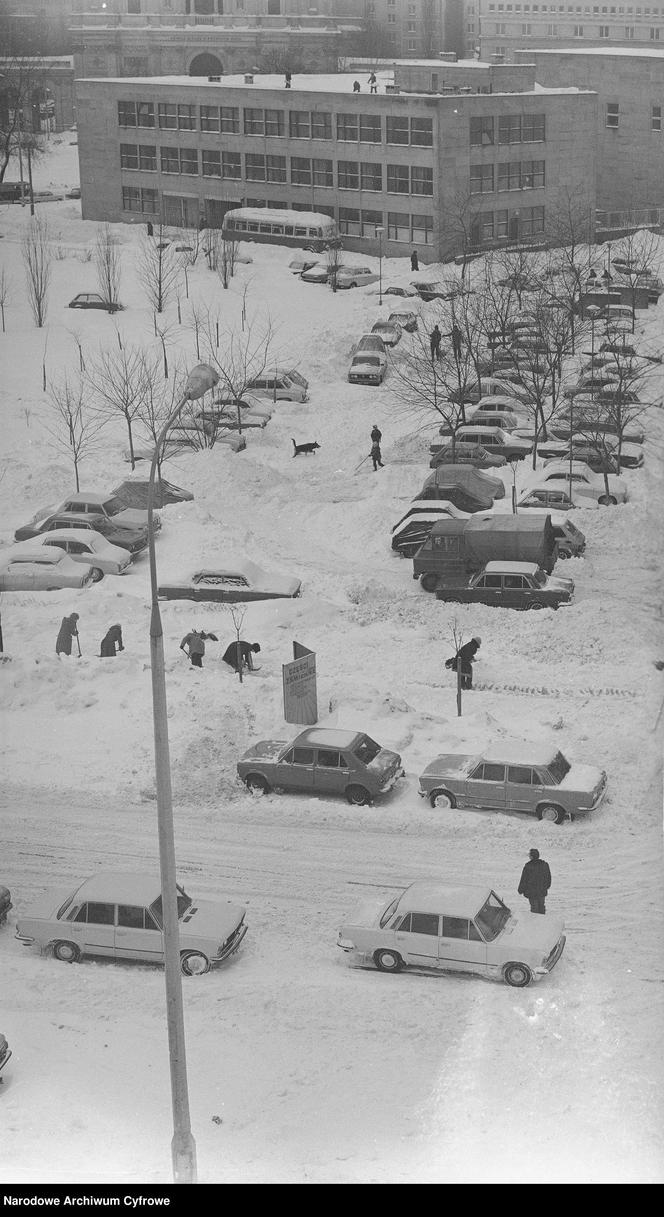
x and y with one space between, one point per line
414 261
434 339
246 651
457 338
376 456
535 881
68 631
193 644
111 643
464 660
376 434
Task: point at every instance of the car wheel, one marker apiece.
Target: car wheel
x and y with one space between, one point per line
442 799
256 783
608 500
551 813
97 574
358 796
428 581
194 963
563 554
66 952
388 961
352 284
518 975
535 604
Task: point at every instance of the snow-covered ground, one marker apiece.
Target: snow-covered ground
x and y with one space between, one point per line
303 1069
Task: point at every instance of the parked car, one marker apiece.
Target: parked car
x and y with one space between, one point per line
432 290
389 331
133 539
42 571
584 482
84 546
468 488
234 581
464 452
299 265
174 446
552 499
407 321
74 193
498 418
367 368
120 916
134 492
5 903
521 776
369 342
109 506
46 196
231 414
496 439
413 529
406 292
455 928
279 384
324 760
496 403
93 300
5 1053
604 456
587 419
356 276
318 273
515 585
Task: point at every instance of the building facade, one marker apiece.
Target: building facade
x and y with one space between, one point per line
35 27
45 86
441 173
629 84
504 28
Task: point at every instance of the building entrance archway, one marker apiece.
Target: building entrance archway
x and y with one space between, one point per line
206 64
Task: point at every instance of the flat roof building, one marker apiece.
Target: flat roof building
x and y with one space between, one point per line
439 172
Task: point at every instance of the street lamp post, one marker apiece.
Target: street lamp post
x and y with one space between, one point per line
379 234
183 1146
592 313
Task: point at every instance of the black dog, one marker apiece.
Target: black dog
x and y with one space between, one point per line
306 448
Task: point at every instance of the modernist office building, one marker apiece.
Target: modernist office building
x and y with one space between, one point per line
438 171
504 28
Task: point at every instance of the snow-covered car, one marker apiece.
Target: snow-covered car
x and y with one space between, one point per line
42 570
82 545
92 300
181 446
389 331
322 760
134 492
588 419
367 368
520 776
453 928
74 193
413 529
119 915
553 499
432 291
504 419
605 454
299 265
513 585
318 273
109 506
356 276
5 903
405 292
582 482
496 403
232 414
234 581
5 1052
463 452
495 439
407 321
133 539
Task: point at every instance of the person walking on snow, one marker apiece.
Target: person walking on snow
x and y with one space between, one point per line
376 434
373 83
535 881
434 339
111 643
456 337
193 645
376 455
68 631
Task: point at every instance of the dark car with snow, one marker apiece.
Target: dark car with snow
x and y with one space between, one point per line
515 585
322 760
133 539
523 777
112 508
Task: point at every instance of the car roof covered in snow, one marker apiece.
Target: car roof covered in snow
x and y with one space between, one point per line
328 737
511 568
120 887
452 900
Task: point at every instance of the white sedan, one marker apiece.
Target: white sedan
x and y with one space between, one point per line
356 276
231 582
42 570
367 368
389 331
582 481
82 545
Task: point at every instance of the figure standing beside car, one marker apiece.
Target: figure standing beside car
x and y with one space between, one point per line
535 881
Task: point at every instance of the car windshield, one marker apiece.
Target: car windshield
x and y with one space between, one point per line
372 360
184 902
492 918
113 507
389 912
558 768
366 750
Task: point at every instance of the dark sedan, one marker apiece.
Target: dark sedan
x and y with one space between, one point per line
93 300
133 539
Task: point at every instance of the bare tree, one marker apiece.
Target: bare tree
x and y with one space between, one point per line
107 264
636 258
163 332
37 261
607 417
157 269
158 399
226 261
73 427
237 615
117 380
570 232
5 294
21 81
334 251
79 347
238 356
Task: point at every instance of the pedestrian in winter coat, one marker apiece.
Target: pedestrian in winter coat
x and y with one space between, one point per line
111 643
434 339
287 79
535 881
414 261
356 86
193 644
246 650
68 631
376 434
456 341
463 661
373 83
376 455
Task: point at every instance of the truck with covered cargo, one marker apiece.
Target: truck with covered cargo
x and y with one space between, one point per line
462 547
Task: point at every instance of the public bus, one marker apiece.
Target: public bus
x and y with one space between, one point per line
277 225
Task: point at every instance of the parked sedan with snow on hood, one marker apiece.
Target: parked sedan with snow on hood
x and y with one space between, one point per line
367 368
231 582
42 571
322 760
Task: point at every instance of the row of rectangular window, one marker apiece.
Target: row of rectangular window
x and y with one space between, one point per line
508 129
492 225
612 117
298 124
352 221
259 167
561 8
512 175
